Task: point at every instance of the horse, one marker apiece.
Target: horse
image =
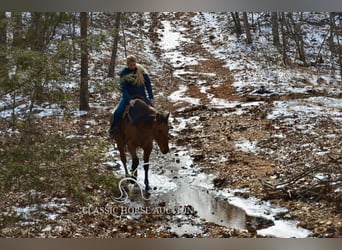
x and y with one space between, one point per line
139 127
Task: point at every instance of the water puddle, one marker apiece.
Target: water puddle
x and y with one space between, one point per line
213 209
177 183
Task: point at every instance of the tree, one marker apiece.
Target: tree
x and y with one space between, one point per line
247 30
84 92
335 32
41 32
36 33
43 29
275 29
3 49
111 69
284 37
237 23
294 28
18 31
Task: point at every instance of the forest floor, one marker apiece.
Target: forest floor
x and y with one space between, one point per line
248 147
290 160
277 151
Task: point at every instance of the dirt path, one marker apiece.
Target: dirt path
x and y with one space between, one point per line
227 136
214 145
223 143
208 80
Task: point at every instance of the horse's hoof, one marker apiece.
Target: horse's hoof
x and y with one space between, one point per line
147 195
147 188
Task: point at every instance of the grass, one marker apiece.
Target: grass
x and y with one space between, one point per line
53 164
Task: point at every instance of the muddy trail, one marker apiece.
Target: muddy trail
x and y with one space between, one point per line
234 149
183 202
215 169
245 160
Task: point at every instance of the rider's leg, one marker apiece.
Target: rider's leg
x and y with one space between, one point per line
120 109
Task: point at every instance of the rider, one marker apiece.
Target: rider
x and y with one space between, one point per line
134 81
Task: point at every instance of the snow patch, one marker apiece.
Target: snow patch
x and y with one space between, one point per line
246 145
307 108
179 96
285 229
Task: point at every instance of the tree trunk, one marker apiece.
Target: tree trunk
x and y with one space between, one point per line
35 40
248 32
283 35
124 38
297 35
334 31
237 23
35 34
41 31
111 69
84 92
3 28
74 27
275 30
295 30
18 37
3 50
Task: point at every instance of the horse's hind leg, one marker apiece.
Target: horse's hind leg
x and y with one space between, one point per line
121 147
147 153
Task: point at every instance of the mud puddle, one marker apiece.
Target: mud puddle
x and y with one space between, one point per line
178 184
194 189
214 210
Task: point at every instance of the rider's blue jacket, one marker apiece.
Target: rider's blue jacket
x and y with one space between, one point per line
130 90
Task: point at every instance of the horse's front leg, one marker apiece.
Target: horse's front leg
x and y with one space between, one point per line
147 153
121 146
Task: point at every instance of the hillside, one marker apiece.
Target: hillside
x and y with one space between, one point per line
255 144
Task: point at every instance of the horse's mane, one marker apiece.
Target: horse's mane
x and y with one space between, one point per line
141 112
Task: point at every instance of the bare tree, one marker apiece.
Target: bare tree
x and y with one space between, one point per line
284 37
247 30
236 19
296 32
124 36
35 34
84 92
111 69
293 28
3 49
43 29
275 30
335 32
18 32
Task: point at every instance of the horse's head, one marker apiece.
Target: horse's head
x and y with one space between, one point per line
161 132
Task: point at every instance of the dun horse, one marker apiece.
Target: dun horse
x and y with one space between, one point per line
139 127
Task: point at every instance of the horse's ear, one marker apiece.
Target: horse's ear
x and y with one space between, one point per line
160 117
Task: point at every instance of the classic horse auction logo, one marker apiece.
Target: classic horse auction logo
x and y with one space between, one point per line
123 193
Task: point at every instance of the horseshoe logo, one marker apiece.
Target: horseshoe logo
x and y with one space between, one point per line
123 193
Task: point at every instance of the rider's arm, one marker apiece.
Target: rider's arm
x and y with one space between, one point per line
126 96
148 86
